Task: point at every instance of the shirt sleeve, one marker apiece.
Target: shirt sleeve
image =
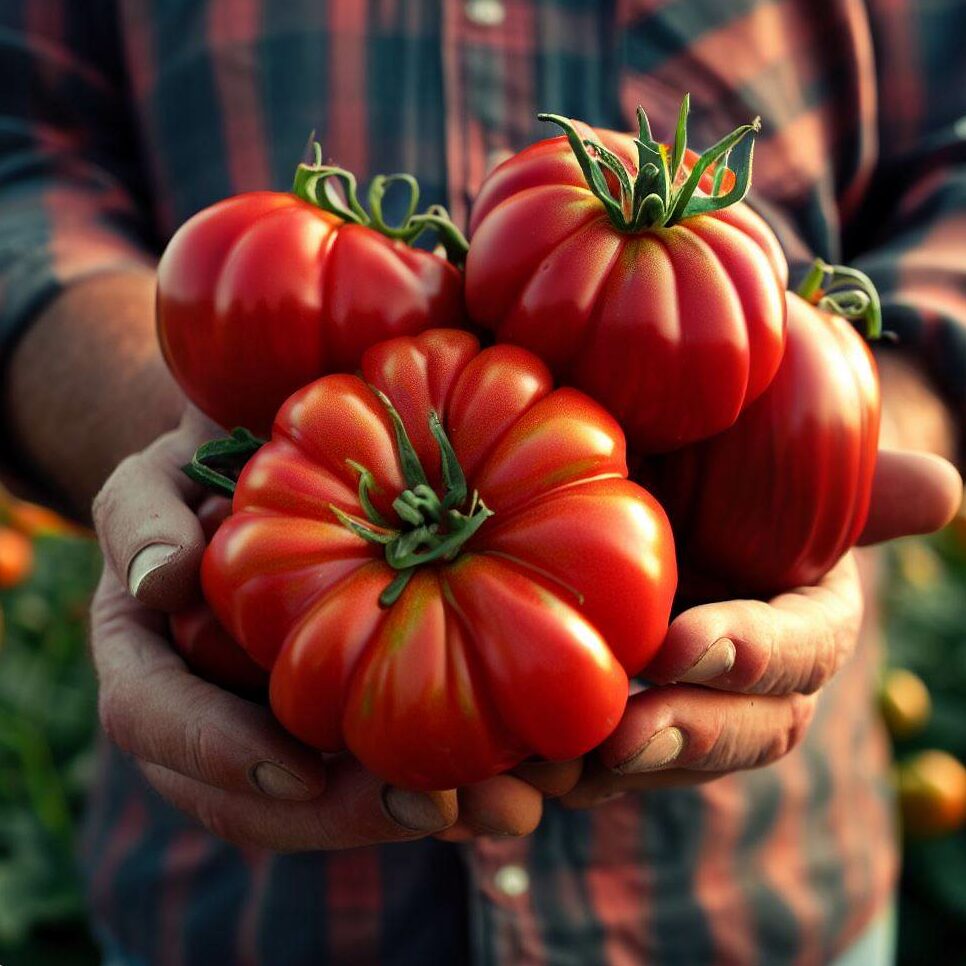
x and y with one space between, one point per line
911 229
71 194
919 269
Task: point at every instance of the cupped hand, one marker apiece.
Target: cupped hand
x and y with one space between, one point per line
737 682
219 758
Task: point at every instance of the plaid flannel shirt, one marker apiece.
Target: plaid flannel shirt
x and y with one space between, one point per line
121 118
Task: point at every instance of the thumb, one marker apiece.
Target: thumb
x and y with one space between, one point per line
147 528
911 493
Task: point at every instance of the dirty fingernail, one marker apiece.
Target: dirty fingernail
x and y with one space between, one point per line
716 660
413 810
146 562
661 750
277 781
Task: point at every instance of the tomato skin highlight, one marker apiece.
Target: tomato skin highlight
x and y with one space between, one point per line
775 501
521 644
674 330
263 292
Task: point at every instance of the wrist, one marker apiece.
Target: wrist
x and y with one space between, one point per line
914 416
87 385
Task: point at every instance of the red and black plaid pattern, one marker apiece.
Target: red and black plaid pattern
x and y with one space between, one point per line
121 118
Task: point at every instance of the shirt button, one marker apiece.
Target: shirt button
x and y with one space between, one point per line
512 880
485 13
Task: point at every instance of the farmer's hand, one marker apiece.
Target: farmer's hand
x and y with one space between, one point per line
222 759
747 673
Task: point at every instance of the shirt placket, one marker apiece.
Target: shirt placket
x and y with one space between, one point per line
488 49
504 922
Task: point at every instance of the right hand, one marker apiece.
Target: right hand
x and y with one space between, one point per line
219 758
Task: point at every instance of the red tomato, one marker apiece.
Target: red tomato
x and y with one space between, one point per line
774 502
207 648
16 557
666 309
519 580
263 292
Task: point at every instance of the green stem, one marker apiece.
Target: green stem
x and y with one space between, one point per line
654 200
849 293
430 528
311 184
217 463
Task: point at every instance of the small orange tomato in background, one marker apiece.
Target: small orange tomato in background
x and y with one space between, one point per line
932 793
905 703
32 519
16 557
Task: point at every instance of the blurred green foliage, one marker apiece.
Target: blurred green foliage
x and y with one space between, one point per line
47 717
925 619
48 714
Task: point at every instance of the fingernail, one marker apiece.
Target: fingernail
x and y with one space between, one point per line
413 810
146 562
661 750
716 660
278 782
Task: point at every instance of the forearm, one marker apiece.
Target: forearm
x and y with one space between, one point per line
913 414
87 385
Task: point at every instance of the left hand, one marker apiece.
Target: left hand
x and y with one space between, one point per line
747 673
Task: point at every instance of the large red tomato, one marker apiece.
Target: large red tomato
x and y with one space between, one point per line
773 502
635 274
443 564
264 292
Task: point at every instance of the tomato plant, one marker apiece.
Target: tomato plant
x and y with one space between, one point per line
443 564
773 502
636 272
261 293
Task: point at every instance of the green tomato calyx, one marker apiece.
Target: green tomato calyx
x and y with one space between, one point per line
312 185
217 463
660 194
430 527
849 293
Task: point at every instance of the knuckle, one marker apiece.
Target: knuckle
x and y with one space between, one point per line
114 718
791 732
105 501
825 659
196 741
203 742
761 657
216 819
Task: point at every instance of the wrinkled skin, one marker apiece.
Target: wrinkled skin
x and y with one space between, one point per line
522 645
674 330
264 292
774 502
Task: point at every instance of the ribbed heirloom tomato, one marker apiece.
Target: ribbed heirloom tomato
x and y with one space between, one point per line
636 273
774 502
443 564
261 293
